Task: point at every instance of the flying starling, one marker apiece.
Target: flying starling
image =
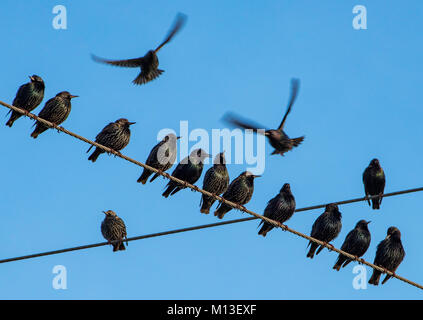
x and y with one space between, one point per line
326 228
149 63
115 136
278 139
280 208
28 97
389 255
215 181
113 229
161 157
239 191
56 110
356 243
189 169
374 182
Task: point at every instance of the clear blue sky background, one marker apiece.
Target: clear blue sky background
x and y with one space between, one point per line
360 98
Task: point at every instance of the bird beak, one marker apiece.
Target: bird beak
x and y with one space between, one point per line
179 137
255 176
31 78
131 123
104 212
72 96
368 222
388 236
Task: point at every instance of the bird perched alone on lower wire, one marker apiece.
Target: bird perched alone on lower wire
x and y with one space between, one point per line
115 136
374 182
278 139
56 110
356 243
148 63
113 229
161 157
326 228
280 208
189 170
239 191
389 255
216 181
28 97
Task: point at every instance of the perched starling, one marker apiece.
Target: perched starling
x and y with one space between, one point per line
114 136
389 255
356 243
28 97
113 228
326 228
215 181
189 169
374 182
239 191
161 157
278 139
56 110
149 63
280 208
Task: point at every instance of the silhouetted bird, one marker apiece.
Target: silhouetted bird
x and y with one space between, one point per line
113 228
215 181
189 169
389 255
280 208
356 243
326 228
278 139
161 157
56 110
28 97
149 63
239 191
115 136
374 182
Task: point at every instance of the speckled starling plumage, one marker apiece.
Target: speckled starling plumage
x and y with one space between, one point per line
56 110
115 136
374 182
216 180
326 228
113 228
28 97
189 169
161 157
240 191
278 139
356 243
148 63
389 255
280 208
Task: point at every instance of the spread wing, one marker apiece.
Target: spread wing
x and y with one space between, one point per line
239 122
179 23
129 63
295 83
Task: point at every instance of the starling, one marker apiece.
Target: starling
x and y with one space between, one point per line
28 97
326 228
149 63
215 181
356 243
114 136
56 110
389 255
161 157
374 182
189 170
239 191
280 208
113 229
278 139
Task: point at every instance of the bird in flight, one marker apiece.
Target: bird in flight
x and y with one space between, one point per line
278 139
149 63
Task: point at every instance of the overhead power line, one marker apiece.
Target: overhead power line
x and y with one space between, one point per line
218 198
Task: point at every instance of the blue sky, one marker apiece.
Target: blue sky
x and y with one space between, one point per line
360 98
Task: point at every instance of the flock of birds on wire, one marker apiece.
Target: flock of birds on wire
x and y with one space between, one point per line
116 136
